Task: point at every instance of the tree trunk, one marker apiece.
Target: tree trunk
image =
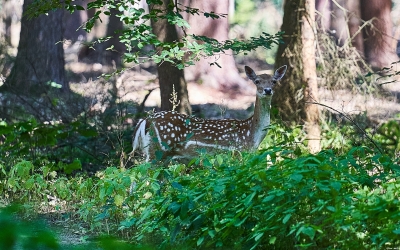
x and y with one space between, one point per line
323 17
73 22
299 86
114 56
339 21
171 79
227 77
40 57
378 48
10 18
354 21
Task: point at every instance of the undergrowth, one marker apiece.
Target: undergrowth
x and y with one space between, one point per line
279 197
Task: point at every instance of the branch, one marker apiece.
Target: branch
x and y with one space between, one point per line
352 121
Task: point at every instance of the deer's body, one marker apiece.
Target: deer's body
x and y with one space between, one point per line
180 136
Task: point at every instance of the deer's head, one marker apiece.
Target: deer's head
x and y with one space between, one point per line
264 82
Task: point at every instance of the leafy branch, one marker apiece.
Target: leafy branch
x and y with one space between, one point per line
137 34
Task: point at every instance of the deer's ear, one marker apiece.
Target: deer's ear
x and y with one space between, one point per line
279 73
250 73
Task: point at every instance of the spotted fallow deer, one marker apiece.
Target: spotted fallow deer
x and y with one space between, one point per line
179 136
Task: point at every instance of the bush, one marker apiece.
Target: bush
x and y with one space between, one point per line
279 197
274 200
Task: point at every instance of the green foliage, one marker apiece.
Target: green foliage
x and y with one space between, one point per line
388 135
278 197
89 141
270 199
138 33
44 142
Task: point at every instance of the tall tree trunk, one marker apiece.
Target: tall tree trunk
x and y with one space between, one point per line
378 48
170 78
10 18
74 21
227 77
40 57
354 21
339 21
114 56
299 86
343 18
323 17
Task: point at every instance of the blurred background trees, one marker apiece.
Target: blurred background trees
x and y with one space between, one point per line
366 24
40 56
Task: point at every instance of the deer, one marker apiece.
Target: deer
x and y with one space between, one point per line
171 134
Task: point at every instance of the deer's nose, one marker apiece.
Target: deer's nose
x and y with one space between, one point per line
268 91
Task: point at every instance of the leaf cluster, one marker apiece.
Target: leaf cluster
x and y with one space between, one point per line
138 34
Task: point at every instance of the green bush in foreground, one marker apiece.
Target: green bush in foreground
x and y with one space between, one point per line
271 199
277 198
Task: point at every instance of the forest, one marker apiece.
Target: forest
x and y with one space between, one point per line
179 124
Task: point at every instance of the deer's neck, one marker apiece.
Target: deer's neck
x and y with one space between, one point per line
260 121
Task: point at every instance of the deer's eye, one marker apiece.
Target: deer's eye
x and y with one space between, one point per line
274 81
257 81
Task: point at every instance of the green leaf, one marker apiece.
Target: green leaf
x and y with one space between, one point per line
184 209
220 160
78 7
286 218
75 165
200 240
54 84
174 207
87 132
296 177
118 200
331 208
336 185
258 236
239 223
268 198
159 154
249 198
309 231
176 185
29 183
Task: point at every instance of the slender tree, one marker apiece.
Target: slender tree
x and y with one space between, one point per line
299 88
171 79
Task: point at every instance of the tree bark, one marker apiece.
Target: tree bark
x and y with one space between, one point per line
40 56
170 78
114 56
73 22
354 21
378 48
227 77
323 16
299 86
339 21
